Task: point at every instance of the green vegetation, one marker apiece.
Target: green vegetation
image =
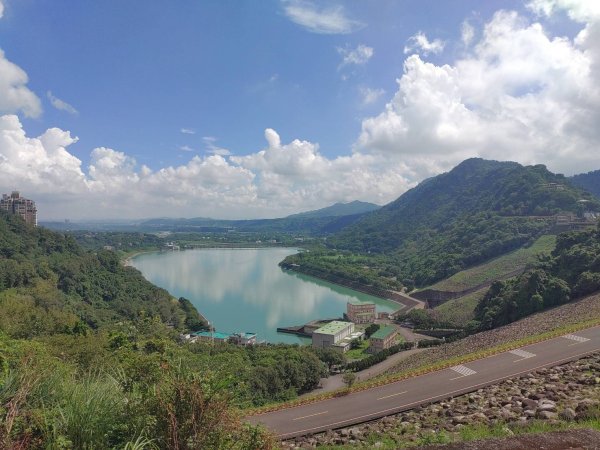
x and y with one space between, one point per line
90 357
117 240
573 270
460 311
477 211
589 181
405 437
371 360
498 267
360 352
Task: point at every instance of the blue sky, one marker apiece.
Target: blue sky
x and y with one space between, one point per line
146 87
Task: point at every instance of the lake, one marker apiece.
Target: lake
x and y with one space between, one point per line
246 290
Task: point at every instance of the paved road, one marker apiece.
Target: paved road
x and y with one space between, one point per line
404 395
335 382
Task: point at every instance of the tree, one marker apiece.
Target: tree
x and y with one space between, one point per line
349 379
371 329
331 357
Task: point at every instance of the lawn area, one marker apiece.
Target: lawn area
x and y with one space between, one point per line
360 352
497 267
460 310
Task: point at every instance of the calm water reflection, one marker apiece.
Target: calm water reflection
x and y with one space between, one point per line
246 290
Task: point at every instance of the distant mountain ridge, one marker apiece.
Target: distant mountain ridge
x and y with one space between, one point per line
322 221
339 209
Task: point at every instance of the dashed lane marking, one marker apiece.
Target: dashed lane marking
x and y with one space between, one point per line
392 395
310 415
577 339
463 370
522 354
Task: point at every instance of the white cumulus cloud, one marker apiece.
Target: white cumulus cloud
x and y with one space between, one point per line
15 96
277 180
321 20
578 10
420 43
519 95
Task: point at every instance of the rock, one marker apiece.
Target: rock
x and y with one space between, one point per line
547 405
568 414
546 415
460 420
529 403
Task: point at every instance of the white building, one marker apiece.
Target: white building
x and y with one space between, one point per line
331 334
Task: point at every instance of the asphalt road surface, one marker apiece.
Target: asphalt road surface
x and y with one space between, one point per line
403 395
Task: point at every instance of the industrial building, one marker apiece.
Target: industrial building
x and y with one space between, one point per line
332 334
360 312
383 338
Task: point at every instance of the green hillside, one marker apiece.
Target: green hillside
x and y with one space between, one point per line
498 267
571 271
477 211
460 311
589 181
93 286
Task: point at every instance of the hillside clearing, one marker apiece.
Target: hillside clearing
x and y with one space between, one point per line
460 310
497 267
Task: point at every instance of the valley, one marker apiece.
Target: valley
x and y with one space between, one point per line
488 258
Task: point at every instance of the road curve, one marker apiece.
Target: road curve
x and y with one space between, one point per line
404 395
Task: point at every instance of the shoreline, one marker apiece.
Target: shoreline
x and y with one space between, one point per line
382 294
126 259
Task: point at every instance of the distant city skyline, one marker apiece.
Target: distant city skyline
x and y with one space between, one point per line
244 109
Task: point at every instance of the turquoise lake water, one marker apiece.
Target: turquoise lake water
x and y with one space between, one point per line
246 290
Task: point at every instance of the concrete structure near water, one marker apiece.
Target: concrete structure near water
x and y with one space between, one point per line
360 312
383 338
218 337
332 334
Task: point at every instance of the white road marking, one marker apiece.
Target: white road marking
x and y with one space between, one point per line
392 395
522 354
310 415
394 409
463 370
575 338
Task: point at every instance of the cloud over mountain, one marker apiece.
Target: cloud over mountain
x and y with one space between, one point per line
519 94
514 93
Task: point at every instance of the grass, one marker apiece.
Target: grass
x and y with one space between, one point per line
461 310
497 267
360 352
468 433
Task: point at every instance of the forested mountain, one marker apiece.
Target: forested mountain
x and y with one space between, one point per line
339 209
589 181
95 287
478 210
